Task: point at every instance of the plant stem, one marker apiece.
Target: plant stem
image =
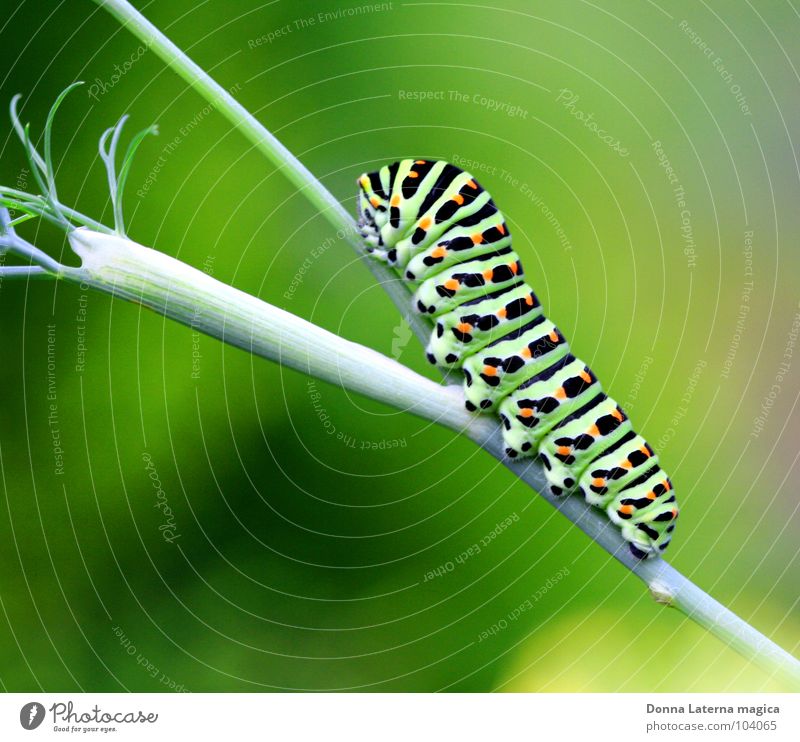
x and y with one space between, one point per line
127 270
25 272
269 145
175 290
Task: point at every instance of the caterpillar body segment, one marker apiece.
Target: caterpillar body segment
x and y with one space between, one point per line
537 405
442 232
567 450
474 324
494 372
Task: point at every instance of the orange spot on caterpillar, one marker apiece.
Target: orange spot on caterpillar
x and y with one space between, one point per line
651 495
626 464
525 352
375 201
477 238
594 431
425 222
626 509
463 327
501 228
413 174
514 267
586 377
438 252
667 485
617 413
489 371
395 200
553 336
419 162
674 513
472 184
598 482
459 199
645 450
529 300
452 284
564 450
487 274
561 393
501 313
526 412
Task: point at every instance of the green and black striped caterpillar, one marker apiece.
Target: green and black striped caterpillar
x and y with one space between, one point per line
441 230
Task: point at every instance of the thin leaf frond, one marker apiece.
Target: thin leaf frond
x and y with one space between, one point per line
48 138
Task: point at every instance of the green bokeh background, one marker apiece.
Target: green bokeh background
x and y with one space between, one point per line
302 558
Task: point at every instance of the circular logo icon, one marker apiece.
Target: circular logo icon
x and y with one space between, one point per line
31 715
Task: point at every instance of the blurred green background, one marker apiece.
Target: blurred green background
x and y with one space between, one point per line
318 535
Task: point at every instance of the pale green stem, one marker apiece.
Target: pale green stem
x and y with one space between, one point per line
275 334
25 272
268 144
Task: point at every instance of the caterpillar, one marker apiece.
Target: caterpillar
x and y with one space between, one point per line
442 232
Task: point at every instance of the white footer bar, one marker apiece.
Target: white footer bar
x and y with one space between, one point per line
388 717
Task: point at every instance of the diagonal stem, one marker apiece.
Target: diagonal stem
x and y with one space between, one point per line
666 584
269 145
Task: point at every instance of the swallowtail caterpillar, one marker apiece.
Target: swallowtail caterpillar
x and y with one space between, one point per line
443 233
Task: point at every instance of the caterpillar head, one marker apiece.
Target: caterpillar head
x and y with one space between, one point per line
372 211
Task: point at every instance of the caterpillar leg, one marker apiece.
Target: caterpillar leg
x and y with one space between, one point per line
628 482
473 325
646 510
567 450
543 401
499 368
